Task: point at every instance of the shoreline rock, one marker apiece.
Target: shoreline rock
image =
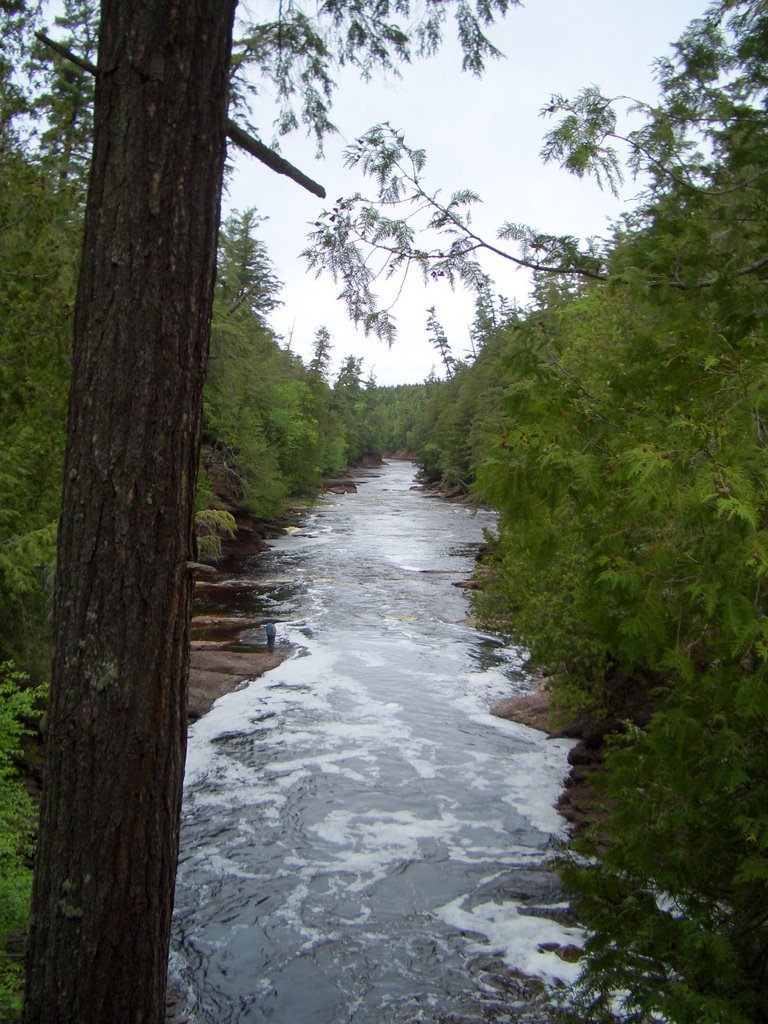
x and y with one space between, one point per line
368 461
215 670
340 485
531 710
577 802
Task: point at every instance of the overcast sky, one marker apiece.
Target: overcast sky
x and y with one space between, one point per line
484 134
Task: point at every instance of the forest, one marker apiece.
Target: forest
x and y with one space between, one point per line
616 423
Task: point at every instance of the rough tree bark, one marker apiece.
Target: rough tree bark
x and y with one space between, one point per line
108 844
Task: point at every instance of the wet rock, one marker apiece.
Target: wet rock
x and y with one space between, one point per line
467 584
562 914
570 954
581 754
225 623
577 776
537 889
577 803
531 710
367 461
515 988
176 1007
582 810
534 710
216 672
245 664
343 486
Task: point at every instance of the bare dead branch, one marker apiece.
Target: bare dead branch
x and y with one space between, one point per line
241 138
272 159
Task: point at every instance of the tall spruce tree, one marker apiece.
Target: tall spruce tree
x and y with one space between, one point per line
106 856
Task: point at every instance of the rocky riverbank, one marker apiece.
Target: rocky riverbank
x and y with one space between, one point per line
223 654
577 803
216 669
222 659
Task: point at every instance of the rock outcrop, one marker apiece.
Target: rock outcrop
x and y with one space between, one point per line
216 670
577 802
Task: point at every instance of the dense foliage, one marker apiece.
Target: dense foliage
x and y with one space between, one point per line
268 426
19 707
41 191
619 427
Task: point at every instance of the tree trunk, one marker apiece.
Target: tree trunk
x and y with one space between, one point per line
107 852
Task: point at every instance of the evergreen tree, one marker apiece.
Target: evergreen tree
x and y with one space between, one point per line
321 353
19 708
439 342
621 433
630 473
40 229
65 103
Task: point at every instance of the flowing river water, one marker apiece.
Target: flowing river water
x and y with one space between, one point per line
362 842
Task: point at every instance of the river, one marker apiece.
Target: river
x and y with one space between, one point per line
362 842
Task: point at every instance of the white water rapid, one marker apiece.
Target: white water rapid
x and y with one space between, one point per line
363 843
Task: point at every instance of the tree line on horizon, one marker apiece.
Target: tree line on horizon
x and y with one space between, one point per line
617 424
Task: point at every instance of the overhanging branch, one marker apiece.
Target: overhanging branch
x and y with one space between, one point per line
272 159
65 52
241 138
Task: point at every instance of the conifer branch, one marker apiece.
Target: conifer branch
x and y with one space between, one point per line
527 264
591 114
683 180
708 282
241 138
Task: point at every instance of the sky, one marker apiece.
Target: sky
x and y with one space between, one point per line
485 134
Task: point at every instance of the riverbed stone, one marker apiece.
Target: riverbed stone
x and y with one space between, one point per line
535 711
225 623
343 486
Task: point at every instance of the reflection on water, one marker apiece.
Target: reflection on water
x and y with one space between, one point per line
362 842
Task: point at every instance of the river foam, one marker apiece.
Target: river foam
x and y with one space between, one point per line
358 828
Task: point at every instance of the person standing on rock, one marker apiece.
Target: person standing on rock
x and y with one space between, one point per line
270 631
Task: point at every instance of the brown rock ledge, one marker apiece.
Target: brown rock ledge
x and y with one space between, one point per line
532 710
215 671
577 803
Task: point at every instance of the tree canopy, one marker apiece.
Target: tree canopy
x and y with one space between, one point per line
621 435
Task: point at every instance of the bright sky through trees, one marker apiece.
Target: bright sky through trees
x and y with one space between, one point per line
484 134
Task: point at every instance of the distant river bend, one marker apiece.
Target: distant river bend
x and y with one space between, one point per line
362 842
